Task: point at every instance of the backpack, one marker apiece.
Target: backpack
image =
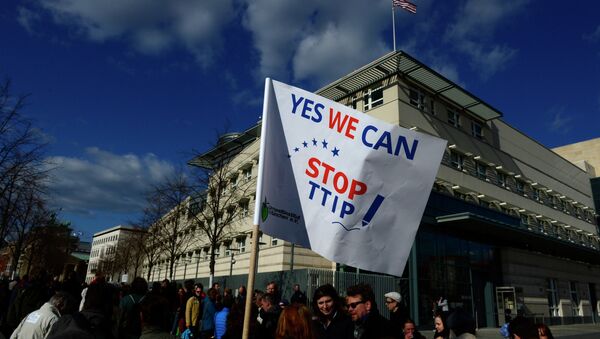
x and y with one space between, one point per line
131 321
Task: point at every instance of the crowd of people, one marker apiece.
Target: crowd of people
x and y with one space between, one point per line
40 308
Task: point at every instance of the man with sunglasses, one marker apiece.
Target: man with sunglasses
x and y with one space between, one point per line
368 323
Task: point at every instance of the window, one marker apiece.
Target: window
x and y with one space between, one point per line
453 118
247 173
353 102
481 171
552 297
501 177
234 182
536 194
417 99
373 97
476 130
241 242
456 160
244 208
274 241
574 298
520 186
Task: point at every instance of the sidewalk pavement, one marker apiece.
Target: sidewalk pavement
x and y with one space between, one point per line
578 331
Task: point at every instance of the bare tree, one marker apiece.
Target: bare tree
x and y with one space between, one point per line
48 245
220 198
168 206
21 156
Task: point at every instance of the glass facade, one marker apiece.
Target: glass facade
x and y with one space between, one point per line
462 271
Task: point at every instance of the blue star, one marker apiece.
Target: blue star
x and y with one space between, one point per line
314 141
305 144
324 143
336 152
296 149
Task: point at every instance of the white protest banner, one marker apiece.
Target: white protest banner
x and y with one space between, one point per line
350 187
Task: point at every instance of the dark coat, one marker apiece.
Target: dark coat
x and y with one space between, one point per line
374 326
265 329
340 327
84 324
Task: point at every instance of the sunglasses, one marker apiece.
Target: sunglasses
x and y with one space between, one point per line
354 304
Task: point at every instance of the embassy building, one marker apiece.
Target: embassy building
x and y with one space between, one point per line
510 226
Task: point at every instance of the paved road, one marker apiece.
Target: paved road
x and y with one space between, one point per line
580 331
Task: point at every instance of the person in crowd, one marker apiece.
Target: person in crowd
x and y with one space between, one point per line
462 324
544 331
37 324
398 314
442 306
295 322
241 296
235 322
267 318
298 297
154 309
522 328
94 321
361 305
274 290
193 310
209 309
221 316
129 322
441 329
331 320
28 298
409 330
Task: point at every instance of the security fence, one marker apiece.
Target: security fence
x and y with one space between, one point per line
310 279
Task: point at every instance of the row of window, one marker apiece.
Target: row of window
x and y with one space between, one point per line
373 97
224 250
105 240
544 196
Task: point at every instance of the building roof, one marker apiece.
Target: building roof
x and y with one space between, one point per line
118 228
409 68
228 145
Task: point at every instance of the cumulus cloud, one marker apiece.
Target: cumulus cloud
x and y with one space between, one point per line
150 26
315 39
104 182
472 33
593 36
27 18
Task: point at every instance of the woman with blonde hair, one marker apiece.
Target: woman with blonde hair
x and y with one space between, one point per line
294 323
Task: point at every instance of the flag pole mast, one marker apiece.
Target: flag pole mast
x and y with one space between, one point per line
394 25
257 213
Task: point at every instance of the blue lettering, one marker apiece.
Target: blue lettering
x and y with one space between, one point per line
295 102
326 193
318 108
307 108
314 186
347 208
384 141
402 143
364 135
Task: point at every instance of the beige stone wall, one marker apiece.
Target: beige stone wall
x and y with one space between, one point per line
585 154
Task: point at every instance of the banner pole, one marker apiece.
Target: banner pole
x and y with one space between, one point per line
253 263
250 284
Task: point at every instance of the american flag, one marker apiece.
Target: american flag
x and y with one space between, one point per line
406 5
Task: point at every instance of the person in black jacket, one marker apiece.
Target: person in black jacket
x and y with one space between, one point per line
331 321
368 323
94 321
267 317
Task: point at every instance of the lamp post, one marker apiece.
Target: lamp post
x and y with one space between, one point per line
232 250
198 255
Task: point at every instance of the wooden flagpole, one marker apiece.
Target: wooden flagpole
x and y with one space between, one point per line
257 213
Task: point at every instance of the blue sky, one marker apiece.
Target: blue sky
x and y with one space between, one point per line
125 93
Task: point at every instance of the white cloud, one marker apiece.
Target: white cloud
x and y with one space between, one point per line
319 40
594 36
103 181
151 26
473 30
561 122
27 18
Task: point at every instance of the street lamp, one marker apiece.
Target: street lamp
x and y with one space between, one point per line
232 250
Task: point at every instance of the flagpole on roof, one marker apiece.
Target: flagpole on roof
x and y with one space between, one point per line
257 212
394 25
